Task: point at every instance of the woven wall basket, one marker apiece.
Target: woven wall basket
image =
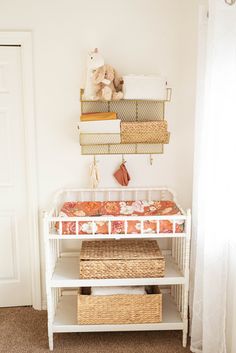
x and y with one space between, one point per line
121 259
119 309
145 132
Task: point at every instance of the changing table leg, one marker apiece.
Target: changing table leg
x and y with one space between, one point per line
186 274
50 340
185 317
185 333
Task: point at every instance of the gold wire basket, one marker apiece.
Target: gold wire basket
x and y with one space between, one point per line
128 111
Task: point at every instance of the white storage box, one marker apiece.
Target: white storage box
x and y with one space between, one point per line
145 87
100 127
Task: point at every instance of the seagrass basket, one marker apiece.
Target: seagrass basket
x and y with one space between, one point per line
145 132
120 308
121 259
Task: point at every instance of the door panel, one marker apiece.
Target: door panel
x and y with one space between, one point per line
8 253
5 155
15 274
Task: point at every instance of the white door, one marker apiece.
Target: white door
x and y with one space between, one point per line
15 274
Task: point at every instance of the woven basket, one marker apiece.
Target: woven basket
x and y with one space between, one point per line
145 132
119 309
121 259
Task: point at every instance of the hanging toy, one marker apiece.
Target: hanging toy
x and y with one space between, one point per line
122 175
94 174
94 61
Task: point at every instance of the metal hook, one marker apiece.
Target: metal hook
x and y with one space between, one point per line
151 159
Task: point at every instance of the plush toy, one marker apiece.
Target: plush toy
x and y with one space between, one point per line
102 81
94 61
107 83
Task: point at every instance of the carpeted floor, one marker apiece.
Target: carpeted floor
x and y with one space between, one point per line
24 330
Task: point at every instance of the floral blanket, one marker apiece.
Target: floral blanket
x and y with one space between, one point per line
119 208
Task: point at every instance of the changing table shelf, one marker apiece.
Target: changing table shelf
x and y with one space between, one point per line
66 275
116 236
66 319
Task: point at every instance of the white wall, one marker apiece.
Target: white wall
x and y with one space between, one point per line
135 36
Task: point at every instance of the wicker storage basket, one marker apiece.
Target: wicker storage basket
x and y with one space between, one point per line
119 309
145 132
121 259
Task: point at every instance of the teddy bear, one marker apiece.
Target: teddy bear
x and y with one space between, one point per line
102 81
107 83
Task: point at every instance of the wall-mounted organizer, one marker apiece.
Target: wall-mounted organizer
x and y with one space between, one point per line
127 110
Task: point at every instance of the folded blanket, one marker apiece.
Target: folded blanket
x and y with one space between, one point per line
98 116
101 126
118 290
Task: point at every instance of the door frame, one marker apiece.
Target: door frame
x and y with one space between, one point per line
24 40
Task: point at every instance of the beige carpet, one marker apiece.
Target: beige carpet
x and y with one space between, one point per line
24 330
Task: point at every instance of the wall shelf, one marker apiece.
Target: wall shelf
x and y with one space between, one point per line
127 110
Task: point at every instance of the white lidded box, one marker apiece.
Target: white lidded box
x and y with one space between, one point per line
151 87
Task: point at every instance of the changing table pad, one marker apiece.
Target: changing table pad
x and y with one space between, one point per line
119 208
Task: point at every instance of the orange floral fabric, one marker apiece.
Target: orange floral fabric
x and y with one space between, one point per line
119 208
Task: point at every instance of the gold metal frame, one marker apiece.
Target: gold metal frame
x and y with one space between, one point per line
168 98
117 149
127 110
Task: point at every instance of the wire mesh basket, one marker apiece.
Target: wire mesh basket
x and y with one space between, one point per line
127 111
